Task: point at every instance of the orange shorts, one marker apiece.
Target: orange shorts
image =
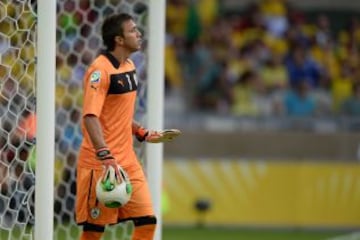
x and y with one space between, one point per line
89 210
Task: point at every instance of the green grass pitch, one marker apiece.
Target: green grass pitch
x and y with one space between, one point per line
204 233
176 233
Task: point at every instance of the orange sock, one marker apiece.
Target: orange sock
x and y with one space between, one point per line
87 235
145 232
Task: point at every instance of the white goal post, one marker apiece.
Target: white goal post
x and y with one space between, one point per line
45 133
46 51
155 68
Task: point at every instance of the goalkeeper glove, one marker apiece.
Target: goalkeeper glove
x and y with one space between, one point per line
143 134
104 155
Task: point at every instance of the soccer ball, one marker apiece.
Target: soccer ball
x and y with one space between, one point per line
111 193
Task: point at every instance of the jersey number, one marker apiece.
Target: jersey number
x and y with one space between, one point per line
128 78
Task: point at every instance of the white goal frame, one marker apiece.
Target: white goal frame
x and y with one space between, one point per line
155 101
45 111
45 95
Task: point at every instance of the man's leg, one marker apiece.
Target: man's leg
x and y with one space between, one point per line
92 232
139 209
89 213
144 228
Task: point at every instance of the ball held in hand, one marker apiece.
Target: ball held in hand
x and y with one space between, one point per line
112 192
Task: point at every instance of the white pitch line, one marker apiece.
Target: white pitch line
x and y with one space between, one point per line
351 236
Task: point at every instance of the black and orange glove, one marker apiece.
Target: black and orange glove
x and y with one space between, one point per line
104 155
167 135
141 133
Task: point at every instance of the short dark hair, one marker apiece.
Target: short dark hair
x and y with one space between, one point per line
112 27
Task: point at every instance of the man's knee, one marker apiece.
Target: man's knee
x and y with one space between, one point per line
88 227
146 220
144 228
92 232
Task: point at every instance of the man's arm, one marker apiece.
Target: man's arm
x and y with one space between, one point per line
136 126
94 129
139 131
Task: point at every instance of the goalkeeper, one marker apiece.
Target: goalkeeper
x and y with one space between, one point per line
108 127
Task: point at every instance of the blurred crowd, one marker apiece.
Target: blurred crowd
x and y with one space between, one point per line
268 59
265 59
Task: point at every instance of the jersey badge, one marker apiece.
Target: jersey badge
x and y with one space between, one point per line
95 77
95 212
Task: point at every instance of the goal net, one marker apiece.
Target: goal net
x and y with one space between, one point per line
78 40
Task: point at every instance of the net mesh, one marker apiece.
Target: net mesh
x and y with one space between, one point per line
78 42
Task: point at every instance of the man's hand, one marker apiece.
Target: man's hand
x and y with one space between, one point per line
166 135
104 155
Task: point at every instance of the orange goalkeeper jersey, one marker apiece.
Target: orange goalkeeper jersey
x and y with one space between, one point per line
110 94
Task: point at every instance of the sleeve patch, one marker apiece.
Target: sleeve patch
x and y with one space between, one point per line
95 77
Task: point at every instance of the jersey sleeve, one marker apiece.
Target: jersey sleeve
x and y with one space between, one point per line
96 85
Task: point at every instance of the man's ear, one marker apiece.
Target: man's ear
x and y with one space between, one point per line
119 40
